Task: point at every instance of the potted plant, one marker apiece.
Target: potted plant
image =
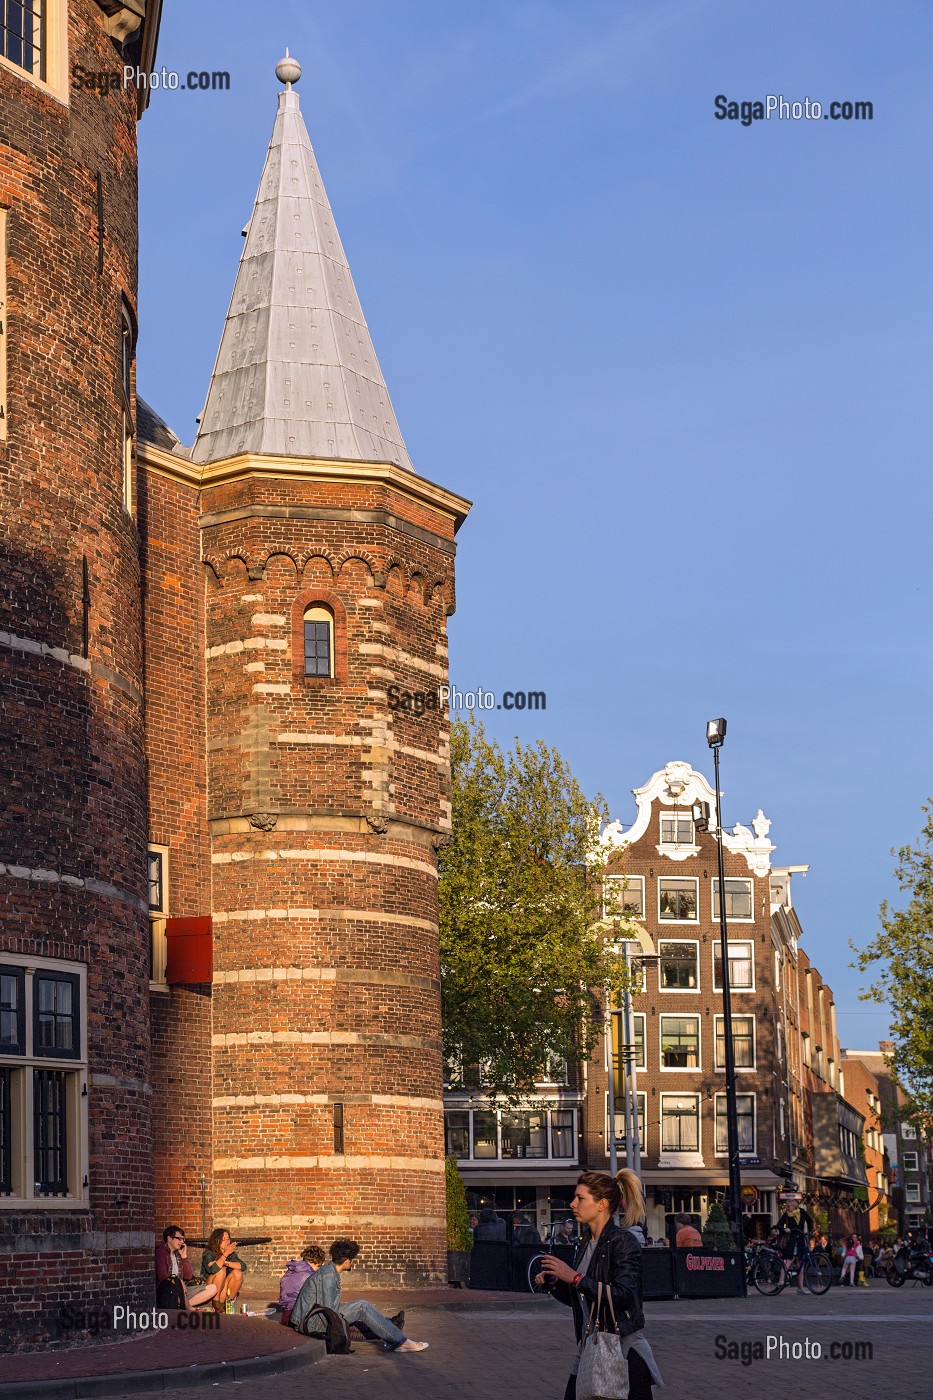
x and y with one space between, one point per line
716 1232
459 1235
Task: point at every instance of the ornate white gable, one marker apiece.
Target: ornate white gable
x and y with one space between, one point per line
677 785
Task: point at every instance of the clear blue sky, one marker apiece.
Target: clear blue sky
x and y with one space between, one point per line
681 366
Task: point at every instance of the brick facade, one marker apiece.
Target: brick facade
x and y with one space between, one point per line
72 768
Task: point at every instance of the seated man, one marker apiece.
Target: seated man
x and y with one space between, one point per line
323 1289
688 1236
174 1287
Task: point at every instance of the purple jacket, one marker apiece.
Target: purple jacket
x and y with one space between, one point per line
296 1271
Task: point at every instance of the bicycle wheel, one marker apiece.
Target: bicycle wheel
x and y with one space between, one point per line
818 1273
770 1275
534 1268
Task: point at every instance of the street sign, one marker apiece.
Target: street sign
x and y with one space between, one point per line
790 1197
749 1195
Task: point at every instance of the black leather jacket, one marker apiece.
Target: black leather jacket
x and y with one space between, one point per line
616 1261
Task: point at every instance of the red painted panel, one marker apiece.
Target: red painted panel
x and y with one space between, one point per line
189 947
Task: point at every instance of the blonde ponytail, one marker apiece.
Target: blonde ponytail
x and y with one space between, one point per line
633 1198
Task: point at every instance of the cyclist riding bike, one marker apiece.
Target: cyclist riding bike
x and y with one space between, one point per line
794 1231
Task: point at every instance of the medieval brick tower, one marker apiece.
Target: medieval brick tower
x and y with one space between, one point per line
75 1135
297 567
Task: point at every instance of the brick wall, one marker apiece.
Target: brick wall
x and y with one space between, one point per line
72 771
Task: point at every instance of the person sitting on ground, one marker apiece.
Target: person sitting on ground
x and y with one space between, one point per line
221 1265
490 1227
688 1236
322 1289
523 1232
293 1279
174 1276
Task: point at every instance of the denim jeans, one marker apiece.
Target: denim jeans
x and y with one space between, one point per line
371 1318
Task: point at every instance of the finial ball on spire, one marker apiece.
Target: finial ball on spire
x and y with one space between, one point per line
288 69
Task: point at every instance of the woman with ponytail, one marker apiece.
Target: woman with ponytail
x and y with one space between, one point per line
609 1254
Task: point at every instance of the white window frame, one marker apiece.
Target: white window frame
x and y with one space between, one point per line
916 1157
546 1111
731 918
680 1016
679 991
626 882
912 1196
734 943
681 879
753 1151
677 1151
56 80
21 1118
679 814
908 1132
620 1122
739 1069
157 918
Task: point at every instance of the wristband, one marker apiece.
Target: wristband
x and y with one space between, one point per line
576 1280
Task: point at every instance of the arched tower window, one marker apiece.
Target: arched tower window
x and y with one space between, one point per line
319 641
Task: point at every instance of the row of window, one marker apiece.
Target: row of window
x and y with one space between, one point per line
678 898
41 1077
679 1123
679 966
483 1135
680 1042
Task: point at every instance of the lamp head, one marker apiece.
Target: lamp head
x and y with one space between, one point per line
700 813
716 733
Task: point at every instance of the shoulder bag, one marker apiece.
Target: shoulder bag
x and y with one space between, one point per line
603 1370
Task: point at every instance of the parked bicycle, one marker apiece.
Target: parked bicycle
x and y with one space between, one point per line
771 1273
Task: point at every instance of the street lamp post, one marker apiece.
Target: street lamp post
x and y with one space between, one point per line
715 736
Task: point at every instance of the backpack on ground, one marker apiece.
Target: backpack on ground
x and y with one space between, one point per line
336 1333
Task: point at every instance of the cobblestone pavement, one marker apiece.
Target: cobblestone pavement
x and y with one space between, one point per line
525 1354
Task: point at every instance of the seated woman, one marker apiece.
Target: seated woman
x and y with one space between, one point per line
174 1275
222 1266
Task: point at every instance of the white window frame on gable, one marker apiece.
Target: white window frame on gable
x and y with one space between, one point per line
908 1132
719 1022
733 958
748 888
681 880
681 1156
49 69
622 887
908 1167
912 1194
676 827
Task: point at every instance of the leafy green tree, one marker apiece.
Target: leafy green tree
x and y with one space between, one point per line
524 950
716 1232
901 959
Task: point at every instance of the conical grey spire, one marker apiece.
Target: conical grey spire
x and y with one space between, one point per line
296 372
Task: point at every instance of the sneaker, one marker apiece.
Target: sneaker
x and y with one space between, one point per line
412 1346
399 1320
